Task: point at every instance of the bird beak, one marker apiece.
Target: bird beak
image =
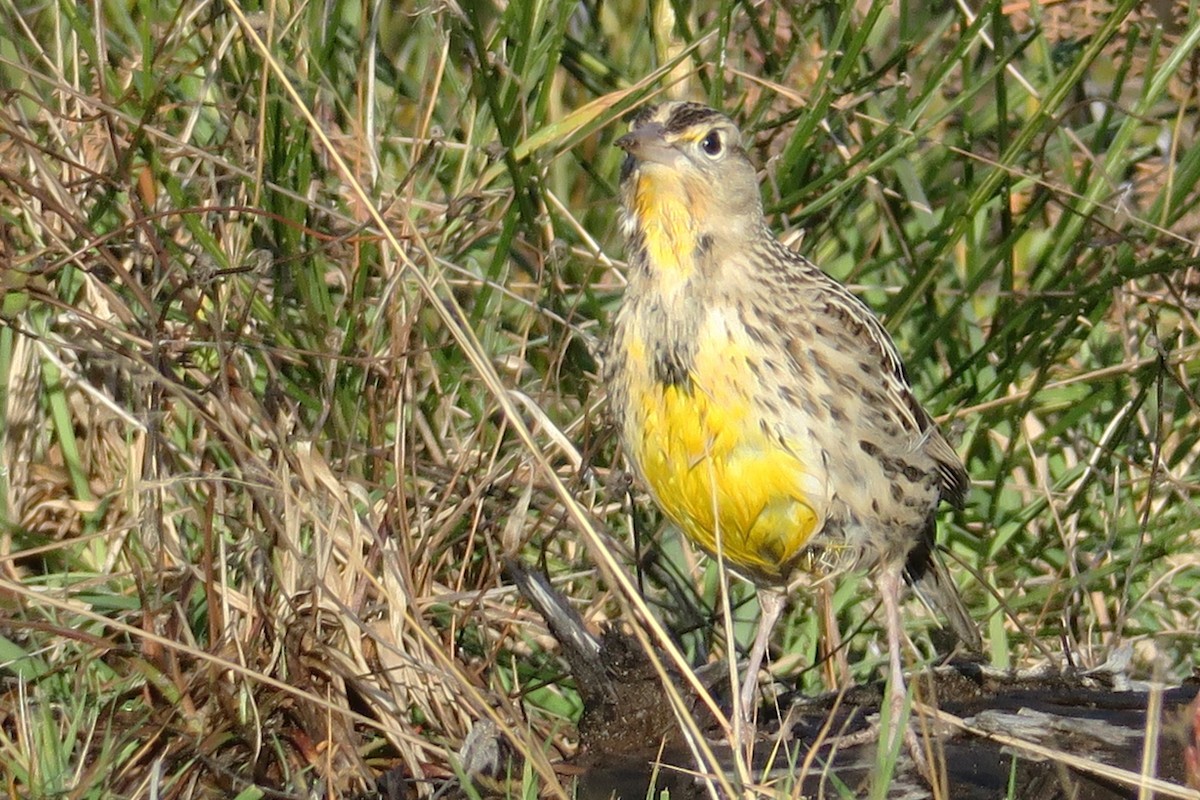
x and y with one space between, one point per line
647 144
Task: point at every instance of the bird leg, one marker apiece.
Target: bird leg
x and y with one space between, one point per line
771 602
890 583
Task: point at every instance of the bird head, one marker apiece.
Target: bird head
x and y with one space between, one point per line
687 171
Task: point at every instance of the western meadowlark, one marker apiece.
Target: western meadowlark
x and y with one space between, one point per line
763 405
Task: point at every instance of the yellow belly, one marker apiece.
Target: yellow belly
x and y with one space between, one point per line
715 472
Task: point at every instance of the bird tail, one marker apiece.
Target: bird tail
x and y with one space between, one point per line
931 582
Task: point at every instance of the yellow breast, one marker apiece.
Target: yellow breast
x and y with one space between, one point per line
721 477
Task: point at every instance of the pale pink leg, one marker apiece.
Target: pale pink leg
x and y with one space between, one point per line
890 584
772 603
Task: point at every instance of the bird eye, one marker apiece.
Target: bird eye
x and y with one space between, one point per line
711 144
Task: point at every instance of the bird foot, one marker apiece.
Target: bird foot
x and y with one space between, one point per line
884 736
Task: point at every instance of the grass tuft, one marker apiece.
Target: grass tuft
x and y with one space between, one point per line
298 316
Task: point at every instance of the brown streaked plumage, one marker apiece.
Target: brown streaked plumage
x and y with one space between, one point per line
764 406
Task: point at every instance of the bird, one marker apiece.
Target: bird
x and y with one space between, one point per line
762 404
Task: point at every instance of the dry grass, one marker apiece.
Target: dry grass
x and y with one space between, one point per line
297 328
